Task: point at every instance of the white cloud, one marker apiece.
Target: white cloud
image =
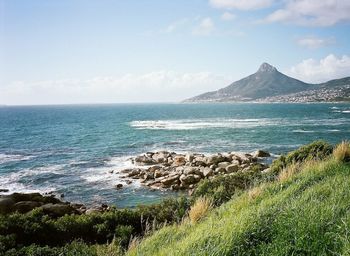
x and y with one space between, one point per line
240 4
204 28
313 71
313 42
227 16
176 25
159 86
312 12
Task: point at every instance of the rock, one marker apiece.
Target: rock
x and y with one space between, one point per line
220 170
26 206
134 172
128 182
170 180
189 157
119 186
215 159
231 168
179 160
224 164
144 160
190 170
111 171
93 211
154 168
206 172
235 162
4 190
160 157
261 153
189 179
158 173
58 210
6 205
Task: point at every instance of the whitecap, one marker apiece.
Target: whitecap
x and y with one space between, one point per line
302 131
6 158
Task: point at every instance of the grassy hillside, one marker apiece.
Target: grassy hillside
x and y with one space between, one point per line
300 206
305 211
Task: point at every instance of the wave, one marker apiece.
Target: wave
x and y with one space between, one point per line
6 158
302 131
192 124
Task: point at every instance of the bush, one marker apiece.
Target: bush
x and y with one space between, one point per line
317 150
222 188
342 152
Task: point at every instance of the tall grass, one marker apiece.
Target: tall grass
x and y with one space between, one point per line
199 209
342 152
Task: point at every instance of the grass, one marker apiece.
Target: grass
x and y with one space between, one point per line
342 152
199 209
304 212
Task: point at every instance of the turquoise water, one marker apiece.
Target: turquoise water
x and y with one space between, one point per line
71 149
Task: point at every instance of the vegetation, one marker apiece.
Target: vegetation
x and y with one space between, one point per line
199 209
299 207
305 213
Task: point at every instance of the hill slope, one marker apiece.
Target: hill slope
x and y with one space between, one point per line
266 82
305 214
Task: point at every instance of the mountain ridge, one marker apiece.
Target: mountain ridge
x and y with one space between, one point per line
267 82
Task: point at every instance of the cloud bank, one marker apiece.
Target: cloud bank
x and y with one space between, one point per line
321 13
159 86
317 71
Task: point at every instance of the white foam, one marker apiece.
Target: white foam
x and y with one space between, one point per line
346 111
303 131
6 158
192 124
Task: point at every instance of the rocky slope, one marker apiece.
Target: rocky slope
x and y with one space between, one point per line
268 84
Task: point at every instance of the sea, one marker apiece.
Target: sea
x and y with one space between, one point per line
72 149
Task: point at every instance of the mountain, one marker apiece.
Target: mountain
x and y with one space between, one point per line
267 83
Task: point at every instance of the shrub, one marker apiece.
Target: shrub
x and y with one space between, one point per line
199 209
222 188
342 152
317 150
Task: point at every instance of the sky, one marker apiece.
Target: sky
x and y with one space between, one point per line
121 51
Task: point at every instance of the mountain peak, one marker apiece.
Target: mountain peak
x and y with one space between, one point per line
266 67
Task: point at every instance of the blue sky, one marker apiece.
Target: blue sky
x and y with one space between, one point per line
85 51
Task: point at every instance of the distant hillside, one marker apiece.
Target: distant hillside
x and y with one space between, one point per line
267 83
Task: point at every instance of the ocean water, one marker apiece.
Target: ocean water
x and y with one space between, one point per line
72 149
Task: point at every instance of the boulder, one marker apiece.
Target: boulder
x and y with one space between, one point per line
220 170
170 180
119 186
144 160
26 206
189 179
261 153
189 157
93 211
158 173
190 170
206 172
179 160
134 172
224 164
4 190
215 159
58 210
231 168
160 157
6 205
154 168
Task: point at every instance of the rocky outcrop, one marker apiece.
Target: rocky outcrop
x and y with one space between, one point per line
23 203
169 170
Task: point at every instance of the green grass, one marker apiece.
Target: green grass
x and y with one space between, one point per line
307 214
